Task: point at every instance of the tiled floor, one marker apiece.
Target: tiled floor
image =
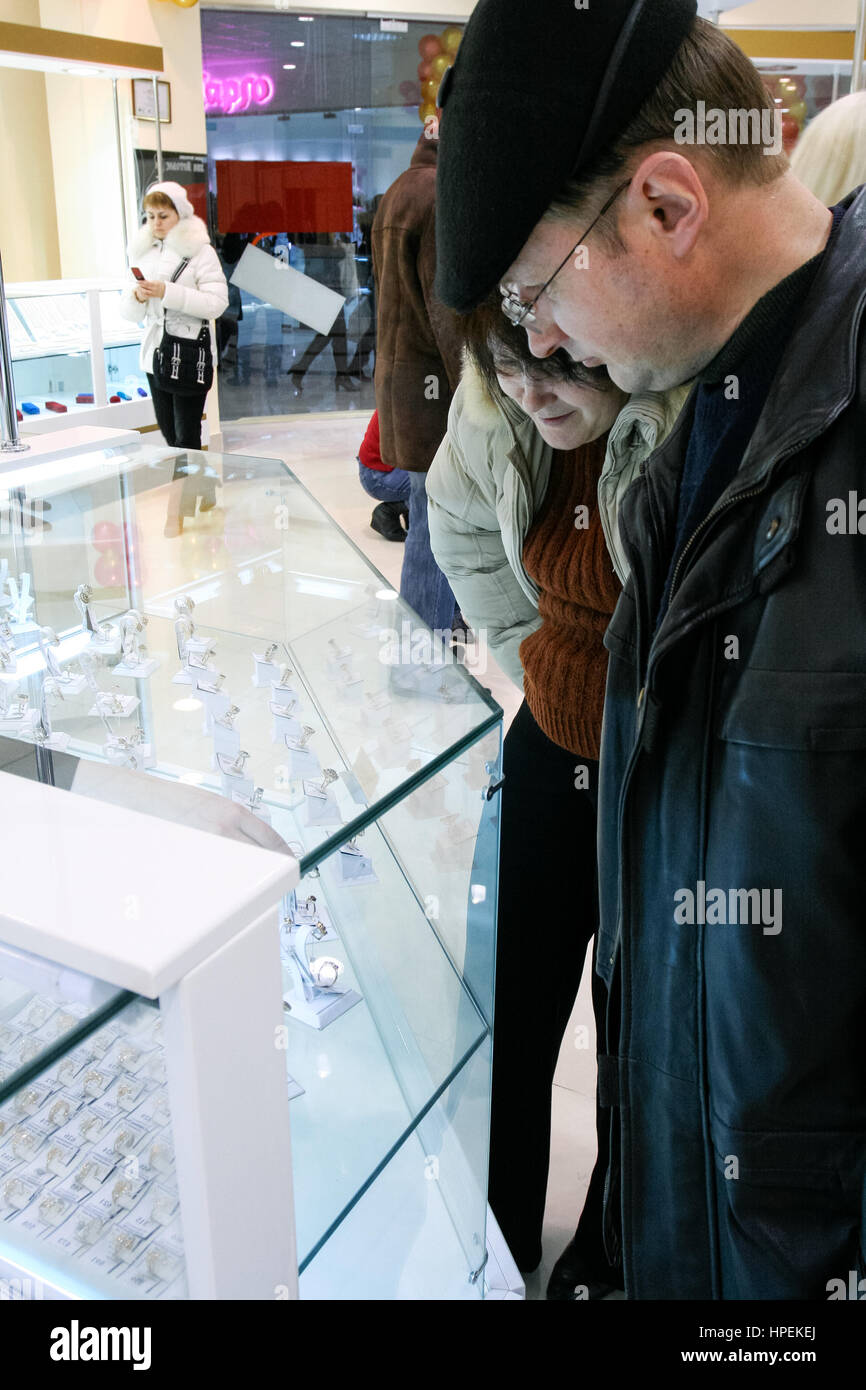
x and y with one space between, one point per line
321 450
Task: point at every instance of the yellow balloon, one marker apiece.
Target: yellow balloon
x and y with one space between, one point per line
797 109
186 4
429 89
451 39
426 110
441 63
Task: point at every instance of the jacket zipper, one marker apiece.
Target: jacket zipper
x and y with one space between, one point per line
720 507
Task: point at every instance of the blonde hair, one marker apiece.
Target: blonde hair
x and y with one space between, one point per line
830 156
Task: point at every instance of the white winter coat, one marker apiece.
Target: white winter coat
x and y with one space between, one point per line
199 293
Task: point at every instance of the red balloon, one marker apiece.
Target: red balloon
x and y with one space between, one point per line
106 534
425 70
108 571
429 46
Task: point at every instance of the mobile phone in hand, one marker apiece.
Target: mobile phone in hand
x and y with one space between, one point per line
137 273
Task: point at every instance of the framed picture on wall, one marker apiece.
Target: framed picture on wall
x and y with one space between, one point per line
142 100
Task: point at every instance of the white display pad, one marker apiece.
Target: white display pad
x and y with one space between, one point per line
195 903
279 284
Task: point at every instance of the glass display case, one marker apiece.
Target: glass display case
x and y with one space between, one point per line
74 355
250 651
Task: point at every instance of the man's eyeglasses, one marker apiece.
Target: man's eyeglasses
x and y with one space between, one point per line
516 310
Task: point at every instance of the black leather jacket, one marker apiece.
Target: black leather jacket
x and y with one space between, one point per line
735 1061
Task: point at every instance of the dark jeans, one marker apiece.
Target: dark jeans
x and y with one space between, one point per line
178 417
548 906
384 487
422 583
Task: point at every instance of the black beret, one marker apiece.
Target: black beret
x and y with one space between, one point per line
536 90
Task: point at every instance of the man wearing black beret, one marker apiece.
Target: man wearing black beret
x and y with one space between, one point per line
629 197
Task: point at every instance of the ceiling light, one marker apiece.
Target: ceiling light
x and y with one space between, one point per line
305 19
297 43
289 67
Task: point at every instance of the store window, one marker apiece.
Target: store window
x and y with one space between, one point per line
351 93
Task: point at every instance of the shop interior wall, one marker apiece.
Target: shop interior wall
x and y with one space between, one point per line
57 143
28 217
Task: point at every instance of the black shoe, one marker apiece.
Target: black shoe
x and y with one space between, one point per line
347 383
573 1278
297 380
386 521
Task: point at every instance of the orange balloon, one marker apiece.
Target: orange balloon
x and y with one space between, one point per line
441 63
451 39
429 89
185 4
426 110
429 46
425 70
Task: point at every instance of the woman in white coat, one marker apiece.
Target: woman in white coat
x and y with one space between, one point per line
171 236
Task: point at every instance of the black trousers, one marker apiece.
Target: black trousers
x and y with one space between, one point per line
548 904
178 417
337 337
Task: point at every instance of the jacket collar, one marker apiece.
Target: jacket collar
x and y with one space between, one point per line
186 239
425 154
817 376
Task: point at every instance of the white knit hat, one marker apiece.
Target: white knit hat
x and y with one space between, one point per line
183 206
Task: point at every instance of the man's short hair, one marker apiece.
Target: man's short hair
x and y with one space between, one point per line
709 67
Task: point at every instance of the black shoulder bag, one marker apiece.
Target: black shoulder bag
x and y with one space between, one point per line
184 366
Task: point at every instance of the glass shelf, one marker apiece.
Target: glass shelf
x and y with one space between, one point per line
389 1100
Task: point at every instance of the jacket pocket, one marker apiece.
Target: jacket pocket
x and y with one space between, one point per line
789 1211
816 711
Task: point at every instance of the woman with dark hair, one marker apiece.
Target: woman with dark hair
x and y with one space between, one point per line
522 499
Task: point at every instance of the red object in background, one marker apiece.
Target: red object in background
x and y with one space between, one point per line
369 450
18 413
293 195
113 400
106 535
108 571
56 406
197 194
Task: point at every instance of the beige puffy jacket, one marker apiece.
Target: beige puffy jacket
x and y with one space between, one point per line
487 483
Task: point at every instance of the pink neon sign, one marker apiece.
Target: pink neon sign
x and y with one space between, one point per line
234 94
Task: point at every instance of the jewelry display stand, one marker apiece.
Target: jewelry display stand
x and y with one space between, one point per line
308 1002
266 687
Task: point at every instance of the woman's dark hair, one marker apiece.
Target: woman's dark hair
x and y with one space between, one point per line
494 344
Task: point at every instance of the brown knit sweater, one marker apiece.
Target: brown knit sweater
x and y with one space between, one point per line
565 661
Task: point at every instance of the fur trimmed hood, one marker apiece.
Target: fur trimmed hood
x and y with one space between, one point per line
186 239
481 407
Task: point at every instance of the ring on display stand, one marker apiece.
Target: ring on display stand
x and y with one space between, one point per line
232 767
315 1000
88 1227
285 711
59 1112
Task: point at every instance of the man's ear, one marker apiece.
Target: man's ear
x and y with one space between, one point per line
670 201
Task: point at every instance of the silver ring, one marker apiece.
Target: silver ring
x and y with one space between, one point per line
326 971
